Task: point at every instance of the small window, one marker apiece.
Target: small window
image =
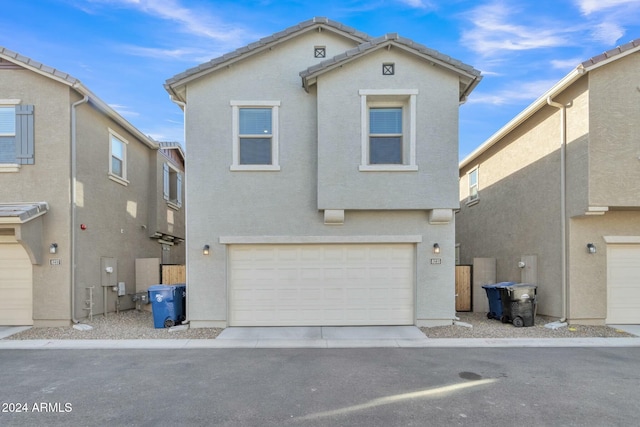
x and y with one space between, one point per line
172 188
118 158
473 185
16 133
385 136
319 52
255 135
388 69
388 130
7 120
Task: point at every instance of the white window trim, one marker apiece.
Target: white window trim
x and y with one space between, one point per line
275 146
364 131
474 200
112 176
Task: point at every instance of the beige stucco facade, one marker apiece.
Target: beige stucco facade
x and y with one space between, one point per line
100 217
519 209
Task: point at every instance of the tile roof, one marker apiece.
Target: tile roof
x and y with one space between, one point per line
383 40
611 53
37 65
22 212
73 82
268 41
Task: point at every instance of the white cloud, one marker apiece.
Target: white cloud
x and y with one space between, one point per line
185 54
496 29
566 64
608 32
588 7
418 4
525 91
195 22
124 110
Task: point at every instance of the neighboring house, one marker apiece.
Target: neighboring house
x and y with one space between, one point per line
321 180
554 196
79 186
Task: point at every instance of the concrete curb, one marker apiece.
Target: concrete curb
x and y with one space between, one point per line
186 344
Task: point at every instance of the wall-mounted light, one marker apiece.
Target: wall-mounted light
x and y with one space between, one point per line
205 250
591 248
53 248
436 248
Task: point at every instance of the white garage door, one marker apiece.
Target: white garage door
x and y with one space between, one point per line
16 300
623 284
321 285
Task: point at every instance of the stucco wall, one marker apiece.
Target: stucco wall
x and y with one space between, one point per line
588 272
113 213
47 180
341 184
614 178
282 203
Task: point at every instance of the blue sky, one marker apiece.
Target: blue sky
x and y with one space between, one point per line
124 50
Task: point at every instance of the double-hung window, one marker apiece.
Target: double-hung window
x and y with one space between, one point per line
388 130
118 158
16 134
172 188
255 135
472 176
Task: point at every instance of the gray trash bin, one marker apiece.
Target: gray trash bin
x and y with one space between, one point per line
519 304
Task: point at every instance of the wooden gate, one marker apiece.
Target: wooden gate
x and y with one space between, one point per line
172 274
463 288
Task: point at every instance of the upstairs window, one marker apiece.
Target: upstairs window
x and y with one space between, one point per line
118 158
385 136
388 130
473 185
16 133
255 135
172 188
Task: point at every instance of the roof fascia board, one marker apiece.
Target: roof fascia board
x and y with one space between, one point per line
609 60
111 113
568 80
74 83
559 87
311 78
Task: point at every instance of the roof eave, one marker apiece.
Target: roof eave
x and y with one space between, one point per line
558 88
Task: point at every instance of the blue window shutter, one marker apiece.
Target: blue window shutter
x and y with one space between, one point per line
24 135
179 190
165 180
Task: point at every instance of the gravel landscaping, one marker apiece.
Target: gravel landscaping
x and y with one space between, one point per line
491 328
133 324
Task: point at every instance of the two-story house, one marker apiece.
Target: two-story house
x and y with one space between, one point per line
554 196
322 180
83 194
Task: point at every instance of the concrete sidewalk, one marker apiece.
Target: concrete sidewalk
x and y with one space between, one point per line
322 337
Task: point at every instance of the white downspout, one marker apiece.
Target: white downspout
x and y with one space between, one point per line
186 224
73 205
563 199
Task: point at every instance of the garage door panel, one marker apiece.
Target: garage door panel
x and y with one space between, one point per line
321 285
623 284
16 294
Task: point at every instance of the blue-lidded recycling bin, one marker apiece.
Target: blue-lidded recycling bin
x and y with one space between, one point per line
495 303
163 305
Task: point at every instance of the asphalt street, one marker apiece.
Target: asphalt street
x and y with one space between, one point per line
321 387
